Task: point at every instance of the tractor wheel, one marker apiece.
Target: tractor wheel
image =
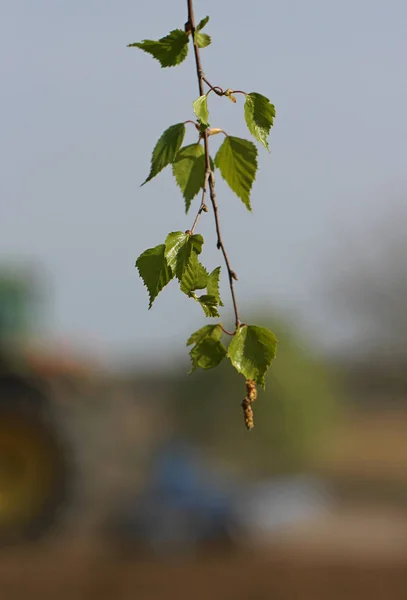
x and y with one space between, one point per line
34 465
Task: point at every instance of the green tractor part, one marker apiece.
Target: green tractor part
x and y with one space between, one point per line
34 461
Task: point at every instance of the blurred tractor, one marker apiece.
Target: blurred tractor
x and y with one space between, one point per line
188 507
35 462
183 508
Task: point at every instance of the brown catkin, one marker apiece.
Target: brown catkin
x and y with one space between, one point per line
251 396
248 414
251 390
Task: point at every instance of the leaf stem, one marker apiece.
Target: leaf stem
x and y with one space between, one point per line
193 123
226 331
209 176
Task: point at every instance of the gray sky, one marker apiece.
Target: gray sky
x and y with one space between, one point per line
81 114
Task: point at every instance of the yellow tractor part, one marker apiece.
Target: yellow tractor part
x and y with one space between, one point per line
32 473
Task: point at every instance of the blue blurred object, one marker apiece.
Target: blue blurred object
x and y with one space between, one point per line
182 507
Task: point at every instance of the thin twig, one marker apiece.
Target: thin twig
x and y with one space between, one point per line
211 179
191 28
232 275
203 207
218 90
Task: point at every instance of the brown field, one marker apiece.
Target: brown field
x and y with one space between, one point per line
369 446
238 578
348 555
357 552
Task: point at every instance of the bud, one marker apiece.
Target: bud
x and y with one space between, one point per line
228 93
214 130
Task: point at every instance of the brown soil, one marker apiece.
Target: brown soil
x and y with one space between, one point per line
347 556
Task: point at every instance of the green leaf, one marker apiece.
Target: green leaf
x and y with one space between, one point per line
259 114
179 247
237 162
252 351
203 127
209 304
202 40
198 336
192 245
166 149
154 271
173 244
213 285
195 276
189 171
196 242
170 50
207 355
200 107
202 24
208 351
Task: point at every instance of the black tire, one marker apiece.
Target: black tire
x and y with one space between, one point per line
35 471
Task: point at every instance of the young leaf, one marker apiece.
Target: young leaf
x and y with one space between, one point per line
200 107
179 247
154 271
209 304
189 171
198 336
166 149
196 242
213 285
208 351
202 39
259 114
252 351
202 24
207 355
237 162
173 244
193 245
195 276
170 50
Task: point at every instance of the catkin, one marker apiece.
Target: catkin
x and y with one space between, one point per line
251 396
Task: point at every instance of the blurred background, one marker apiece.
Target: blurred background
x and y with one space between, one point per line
121 475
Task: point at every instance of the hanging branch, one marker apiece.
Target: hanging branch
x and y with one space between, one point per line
252 348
